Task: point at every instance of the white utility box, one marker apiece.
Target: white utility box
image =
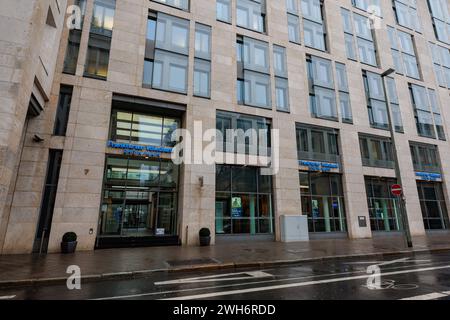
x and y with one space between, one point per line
294 228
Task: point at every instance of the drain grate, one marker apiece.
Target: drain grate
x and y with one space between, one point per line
191 262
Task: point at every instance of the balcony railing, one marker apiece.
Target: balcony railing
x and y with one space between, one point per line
431 168
316 156
378 163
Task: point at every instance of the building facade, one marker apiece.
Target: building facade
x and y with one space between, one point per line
86 122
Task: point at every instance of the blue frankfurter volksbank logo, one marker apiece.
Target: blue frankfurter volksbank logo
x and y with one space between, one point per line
319 166
140 151
427 176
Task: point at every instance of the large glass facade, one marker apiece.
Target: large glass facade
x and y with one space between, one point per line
243 201
139 197
143 129
140 193
323 201
432 203
384 210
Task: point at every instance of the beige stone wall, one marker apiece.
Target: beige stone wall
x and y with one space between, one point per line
28 51
80 185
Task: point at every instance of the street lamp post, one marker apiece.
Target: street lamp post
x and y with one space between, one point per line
403 215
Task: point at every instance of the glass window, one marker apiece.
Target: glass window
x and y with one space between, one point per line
73 47
97 57
103 17
376 99
317 144
361 36
172 34
394 103
202 41
425 158
246 207
432 203
322 72
441 61
256 55
347 20
254 89
170 71
223 10
440 16
384 210
292 6
143 129
345 107
426 109
350 47
250 14
314 35
371 6
253 139
406 14
140 198
344 96
376 152
313 24
281 81
322 95
257 89
202 78
323 202
63 111
294 28
282 94
180 4
202 64
403 53
279 57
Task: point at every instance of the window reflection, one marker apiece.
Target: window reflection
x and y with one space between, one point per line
323 201
243 201
139 198
143 129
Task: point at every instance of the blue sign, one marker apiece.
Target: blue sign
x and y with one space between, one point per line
139 151
319 166
427 176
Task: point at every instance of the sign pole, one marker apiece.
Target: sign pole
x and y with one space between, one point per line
402 204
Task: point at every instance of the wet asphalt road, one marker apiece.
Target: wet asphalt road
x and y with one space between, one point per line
423 276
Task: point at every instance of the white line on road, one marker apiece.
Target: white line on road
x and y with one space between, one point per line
7 297
219 277
298 284
147 294
430 296
385 263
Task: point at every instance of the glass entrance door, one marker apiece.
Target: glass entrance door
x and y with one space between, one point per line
140 199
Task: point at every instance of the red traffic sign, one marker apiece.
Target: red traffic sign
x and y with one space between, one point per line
396 190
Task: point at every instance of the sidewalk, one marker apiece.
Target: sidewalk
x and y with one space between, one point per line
18 270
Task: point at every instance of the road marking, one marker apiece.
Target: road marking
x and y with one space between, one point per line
298 284
385 263
146 294
7 297
219 277
430 296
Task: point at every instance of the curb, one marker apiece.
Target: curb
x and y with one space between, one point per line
207 267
